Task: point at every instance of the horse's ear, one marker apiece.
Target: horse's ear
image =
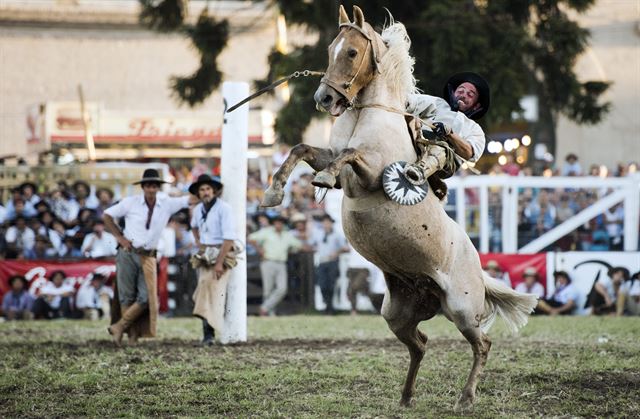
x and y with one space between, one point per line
358 16
344 18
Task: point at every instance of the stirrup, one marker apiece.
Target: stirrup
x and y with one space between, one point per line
414 174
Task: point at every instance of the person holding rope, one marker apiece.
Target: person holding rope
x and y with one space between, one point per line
213 225
467 99
135 303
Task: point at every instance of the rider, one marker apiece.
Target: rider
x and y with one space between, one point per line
467 100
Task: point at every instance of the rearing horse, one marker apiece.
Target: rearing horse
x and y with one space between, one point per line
429 263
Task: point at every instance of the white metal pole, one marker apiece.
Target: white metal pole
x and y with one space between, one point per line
513 209
485 230
506 217
234 177
632 214
461 208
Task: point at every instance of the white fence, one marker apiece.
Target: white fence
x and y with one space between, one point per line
625 190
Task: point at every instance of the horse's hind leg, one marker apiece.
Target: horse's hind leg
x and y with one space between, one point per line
399 310
480 344
318 159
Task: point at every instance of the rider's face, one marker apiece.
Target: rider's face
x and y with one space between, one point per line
467 96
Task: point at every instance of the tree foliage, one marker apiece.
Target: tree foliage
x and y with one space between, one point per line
520 46
209 37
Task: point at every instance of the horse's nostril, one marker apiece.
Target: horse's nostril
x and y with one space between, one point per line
327 100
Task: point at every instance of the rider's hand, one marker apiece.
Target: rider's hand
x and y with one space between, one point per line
441 130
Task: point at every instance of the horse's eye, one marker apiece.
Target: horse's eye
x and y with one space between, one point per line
352 53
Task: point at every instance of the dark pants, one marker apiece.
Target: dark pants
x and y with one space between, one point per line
42 309
597 301
358 283
327 273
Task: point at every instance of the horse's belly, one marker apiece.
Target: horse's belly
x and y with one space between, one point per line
409 239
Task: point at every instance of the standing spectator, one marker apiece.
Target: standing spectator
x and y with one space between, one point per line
531 284
17 303
614 219
145 216
571 167
3 214
100 243
93 299
628 301
273 245
563 300
603 295
359 274
328 244
511 167
564 210
55 298
20 238
492 268
214 230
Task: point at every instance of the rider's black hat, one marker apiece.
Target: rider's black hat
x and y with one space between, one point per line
479 82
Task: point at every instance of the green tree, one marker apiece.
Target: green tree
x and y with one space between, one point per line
208 36
520 46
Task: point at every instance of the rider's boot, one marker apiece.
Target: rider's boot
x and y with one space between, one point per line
433 160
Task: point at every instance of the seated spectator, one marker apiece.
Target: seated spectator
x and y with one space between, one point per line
99 243
628 301
42 250
492 268
531 284
20 238
94 298
31 199
17 303
63 206
69 249
571 167
563 300
82 192
3 214
603 295
55 298
105 200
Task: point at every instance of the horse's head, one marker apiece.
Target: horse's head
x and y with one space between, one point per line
354 59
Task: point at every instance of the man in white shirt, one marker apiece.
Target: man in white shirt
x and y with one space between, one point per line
466 99
531 284
213 227
563 300
628 301
55 298
329 244
145 217
99 243
20 238
93 296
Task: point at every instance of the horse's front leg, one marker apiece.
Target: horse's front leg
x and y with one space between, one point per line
318 159
364 168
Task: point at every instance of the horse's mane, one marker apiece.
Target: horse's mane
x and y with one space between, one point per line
397 63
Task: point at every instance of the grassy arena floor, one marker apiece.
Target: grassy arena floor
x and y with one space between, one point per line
313 366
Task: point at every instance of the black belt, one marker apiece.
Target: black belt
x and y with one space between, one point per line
144 252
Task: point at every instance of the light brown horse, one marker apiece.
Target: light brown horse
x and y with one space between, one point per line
430 265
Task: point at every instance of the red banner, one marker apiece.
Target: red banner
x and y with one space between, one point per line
37 273
515 264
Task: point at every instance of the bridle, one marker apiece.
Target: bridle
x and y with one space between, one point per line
344 88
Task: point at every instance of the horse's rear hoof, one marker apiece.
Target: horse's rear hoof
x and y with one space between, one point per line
463 405
272 197
324 180
410 402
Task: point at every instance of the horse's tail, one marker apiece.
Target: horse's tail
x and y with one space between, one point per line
512 306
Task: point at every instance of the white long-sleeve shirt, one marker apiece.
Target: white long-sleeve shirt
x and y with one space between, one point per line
435 109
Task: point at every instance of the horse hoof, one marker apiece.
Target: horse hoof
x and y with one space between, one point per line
272 197
324 180
410 402
463 405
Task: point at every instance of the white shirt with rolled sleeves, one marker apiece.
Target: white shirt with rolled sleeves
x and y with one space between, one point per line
435 109
134 210
218 226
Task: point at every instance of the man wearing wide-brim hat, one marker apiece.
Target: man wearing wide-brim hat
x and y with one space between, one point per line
456 135
213 227
135 308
